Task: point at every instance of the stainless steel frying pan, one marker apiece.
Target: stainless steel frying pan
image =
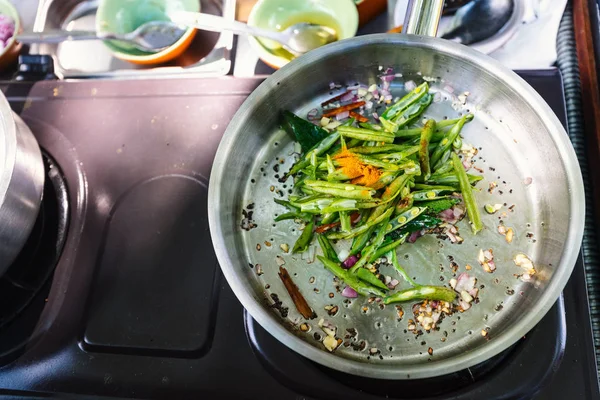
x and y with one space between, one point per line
524 150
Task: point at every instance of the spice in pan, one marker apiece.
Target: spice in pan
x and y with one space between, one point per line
353 168
299 300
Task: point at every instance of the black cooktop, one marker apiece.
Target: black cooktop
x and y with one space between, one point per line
137 306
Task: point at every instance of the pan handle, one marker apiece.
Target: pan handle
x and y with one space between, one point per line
423 17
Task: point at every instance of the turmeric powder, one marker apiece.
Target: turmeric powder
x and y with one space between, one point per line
353 168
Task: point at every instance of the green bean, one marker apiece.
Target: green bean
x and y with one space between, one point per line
359 242
372 127
348 205
369 277
390 192
421 293
349 279
345 224
330 166
365 134
468 197
344 190
434 194
286 204
443 169
328 218
392 256
402 219
377 163
327 248
386 178
384 249
386 148
360 229
319 149
451 179
305 238
410 98
370 249
400 155
404 204
424 149
446 143
292 215
412 112
425 186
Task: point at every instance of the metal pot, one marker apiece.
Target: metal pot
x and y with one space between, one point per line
21 183
520 138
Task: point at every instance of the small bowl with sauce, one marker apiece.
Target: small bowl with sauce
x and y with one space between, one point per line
277 15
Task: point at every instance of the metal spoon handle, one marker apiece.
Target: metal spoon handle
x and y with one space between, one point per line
57 36
423 17
215 23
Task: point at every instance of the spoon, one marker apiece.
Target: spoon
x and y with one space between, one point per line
479 20
150 37
297 39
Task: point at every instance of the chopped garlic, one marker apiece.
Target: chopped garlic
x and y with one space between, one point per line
330 343
325 121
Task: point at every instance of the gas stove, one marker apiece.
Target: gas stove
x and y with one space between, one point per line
126 300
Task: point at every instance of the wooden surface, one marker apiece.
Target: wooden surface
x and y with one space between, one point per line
590 92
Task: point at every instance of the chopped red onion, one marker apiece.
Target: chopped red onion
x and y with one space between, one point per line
492 265
437 97
393 283
458 211
347 97
313 115
342 115
449 89
349 262
388 97
451 236
466 164
376 116
414 236
349 292
368 105
465 282
528 181
410 85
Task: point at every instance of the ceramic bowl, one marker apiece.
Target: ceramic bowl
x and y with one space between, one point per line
123 16
341 15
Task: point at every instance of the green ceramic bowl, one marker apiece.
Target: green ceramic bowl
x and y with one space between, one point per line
341 15
123 16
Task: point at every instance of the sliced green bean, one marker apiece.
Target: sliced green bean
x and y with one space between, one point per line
367 276
399 155
305 238
468 197
446 143
360 229
384 249
412 112
359 242
327 248
345 224
424 149
390 192
410 98
401 220
451 179
349 279
393 256
386 148
366 134
404 204
423 195
439 293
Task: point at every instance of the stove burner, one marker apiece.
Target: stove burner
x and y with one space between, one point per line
532 359
30 272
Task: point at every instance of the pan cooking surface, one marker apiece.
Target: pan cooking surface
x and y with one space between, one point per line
382 336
